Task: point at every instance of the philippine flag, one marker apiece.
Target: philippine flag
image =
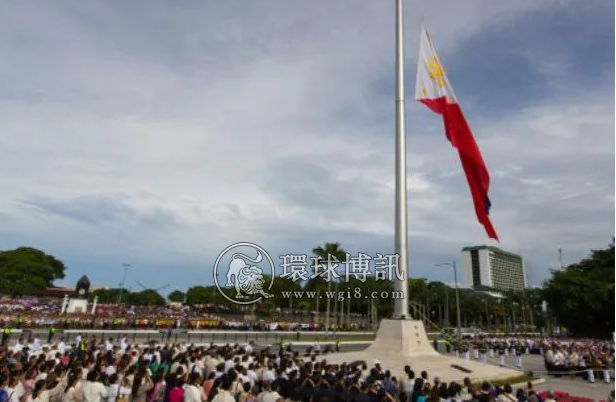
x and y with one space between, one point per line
432 88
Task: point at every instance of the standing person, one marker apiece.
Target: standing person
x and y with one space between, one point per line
52 332
207 385
39 393
176 393
124 390
93 390
506 395
192 391
418 394
71 392
224 395
113 388
141 385
6 333
158 392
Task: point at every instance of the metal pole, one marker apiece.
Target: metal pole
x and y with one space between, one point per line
455 278
447 307
401 308
329 287
560 257
336 304
125 265
348 316
318 313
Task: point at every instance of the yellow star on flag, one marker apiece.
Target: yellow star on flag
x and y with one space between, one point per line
436 71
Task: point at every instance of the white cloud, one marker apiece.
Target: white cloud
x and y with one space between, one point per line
159 133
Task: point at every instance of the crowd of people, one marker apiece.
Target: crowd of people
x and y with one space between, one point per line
37 313
94 370
561 355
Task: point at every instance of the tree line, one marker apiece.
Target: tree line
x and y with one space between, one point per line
579 297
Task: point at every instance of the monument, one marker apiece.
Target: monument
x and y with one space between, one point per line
401 341
78 303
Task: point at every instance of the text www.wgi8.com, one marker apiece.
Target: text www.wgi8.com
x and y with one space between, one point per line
355 293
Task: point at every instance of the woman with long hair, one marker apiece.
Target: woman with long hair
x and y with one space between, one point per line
192 391
70 391
207 385
176 393
418 391
141 385
157 394
39 393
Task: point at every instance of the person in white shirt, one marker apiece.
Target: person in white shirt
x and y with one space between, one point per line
42 373
269 394
72 393
229 364
192 390
268 374
18 347
39 393
109 344
94 391
18 390
123 343
113 389
408 384
62 346
223 394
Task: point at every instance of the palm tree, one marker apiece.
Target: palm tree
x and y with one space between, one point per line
323 254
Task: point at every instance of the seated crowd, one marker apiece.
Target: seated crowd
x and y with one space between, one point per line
107 372
35 313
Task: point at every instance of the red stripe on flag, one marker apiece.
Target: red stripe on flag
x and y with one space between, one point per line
459 134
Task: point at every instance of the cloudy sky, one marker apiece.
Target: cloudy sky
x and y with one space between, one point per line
158 133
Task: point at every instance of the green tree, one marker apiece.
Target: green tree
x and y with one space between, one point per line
200 295
581 296
27 270
318 283
111 295
148 297
176 296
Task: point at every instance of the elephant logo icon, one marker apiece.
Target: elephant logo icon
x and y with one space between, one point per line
248 280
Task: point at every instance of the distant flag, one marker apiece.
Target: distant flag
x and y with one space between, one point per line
432 88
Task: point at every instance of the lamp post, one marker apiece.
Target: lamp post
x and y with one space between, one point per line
126 266
455 278
560 256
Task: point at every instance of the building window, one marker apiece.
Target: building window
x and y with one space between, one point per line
475 268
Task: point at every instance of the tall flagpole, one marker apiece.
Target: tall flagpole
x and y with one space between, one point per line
401 306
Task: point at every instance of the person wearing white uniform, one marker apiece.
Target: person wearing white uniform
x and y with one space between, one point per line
223 394
94 391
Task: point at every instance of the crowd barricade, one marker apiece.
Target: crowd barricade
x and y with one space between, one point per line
266 336
152 335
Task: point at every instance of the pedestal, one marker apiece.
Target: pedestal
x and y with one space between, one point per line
405 342
76 305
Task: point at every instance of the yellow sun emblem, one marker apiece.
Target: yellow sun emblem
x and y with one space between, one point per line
436 71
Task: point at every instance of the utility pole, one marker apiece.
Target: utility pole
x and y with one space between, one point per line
126 266
455 279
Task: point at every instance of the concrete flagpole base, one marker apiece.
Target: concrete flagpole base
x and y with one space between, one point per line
405 342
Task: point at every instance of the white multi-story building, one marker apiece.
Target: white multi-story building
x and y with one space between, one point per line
490 268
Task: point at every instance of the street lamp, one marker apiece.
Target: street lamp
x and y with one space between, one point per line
560 256
126 266
455 278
